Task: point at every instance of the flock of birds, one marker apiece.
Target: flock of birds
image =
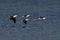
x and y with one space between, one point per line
25 18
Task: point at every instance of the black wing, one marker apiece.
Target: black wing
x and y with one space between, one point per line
25 22
14 20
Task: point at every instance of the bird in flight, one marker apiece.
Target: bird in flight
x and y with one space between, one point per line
25 19
13 18
40 18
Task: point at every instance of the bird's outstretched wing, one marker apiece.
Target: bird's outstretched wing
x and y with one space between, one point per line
14 20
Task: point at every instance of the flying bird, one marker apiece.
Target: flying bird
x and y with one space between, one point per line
13 18
25 19
40 18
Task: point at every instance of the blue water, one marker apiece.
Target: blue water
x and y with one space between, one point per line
36 30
